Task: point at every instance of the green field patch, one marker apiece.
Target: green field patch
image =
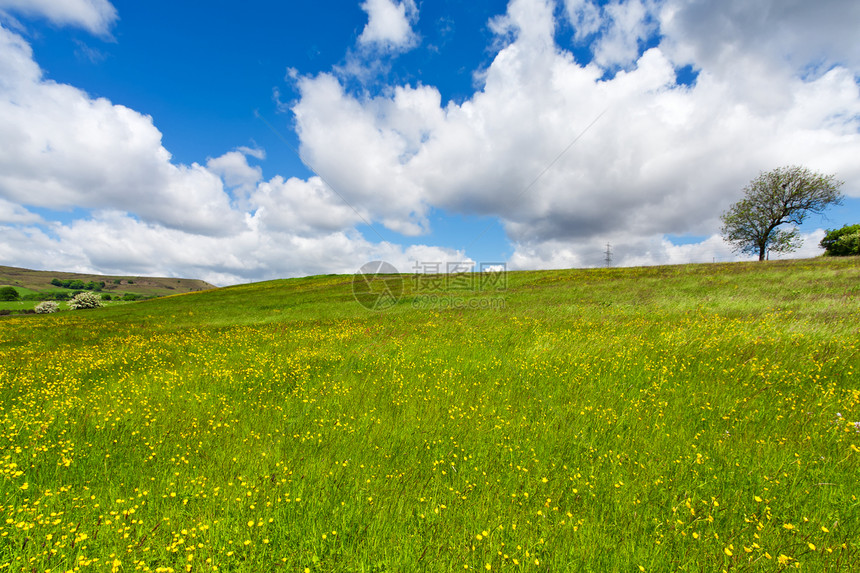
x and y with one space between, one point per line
21 290
16 304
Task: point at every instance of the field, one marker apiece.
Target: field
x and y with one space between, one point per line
19 306
28 281
692 418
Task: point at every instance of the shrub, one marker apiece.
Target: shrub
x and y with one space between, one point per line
842 242
47 307
106 296
8 293
85 300
130 296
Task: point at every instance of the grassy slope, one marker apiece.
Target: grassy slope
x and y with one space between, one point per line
40 281
665 417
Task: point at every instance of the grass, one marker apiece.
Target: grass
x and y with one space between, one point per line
21 290
693 418
17 306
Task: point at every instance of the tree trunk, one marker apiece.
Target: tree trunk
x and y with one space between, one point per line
762 251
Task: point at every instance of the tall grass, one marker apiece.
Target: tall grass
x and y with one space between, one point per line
695 418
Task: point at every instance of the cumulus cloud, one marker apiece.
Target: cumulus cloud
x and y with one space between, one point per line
389 24
628 26
303 207
14 213
664 158
361 146
791 34
584 16
114 242
96 16
234 170
220 221
615 31
63 149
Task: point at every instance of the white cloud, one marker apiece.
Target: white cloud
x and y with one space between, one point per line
114 242
389 24
30 247
360 147
615 30
234 170
664 159
531 22
628 26
63 149
96 16
13 213
254 152
584 16
305 208
797 35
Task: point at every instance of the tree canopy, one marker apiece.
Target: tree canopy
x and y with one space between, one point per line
9 293
842 242
786 195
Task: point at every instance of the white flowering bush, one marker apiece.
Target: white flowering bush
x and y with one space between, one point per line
85 299
47 307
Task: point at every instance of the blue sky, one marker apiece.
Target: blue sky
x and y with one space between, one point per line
165 137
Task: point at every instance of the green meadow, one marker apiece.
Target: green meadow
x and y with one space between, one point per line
675 418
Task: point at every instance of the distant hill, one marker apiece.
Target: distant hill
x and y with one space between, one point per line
40 281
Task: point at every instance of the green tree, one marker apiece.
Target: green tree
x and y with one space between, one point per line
842 242
8 293
785 195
